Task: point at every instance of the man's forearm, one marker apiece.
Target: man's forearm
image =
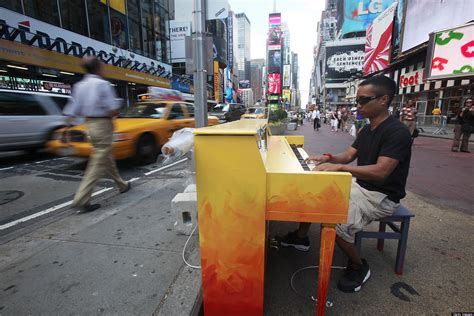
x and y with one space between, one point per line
369 173
342 158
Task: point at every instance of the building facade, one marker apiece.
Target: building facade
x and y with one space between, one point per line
256 78
243 46
47 39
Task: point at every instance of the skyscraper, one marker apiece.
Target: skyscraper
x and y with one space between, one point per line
243 46
256 75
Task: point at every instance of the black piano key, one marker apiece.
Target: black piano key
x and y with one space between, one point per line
300 158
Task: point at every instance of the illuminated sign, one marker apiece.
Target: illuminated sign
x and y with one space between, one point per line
378 41
413 78
451 53
274 86
40 57
357 15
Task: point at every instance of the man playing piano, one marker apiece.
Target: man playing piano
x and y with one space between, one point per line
383 151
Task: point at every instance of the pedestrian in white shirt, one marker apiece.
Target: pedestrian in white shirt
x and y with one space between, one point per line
95 99
316 115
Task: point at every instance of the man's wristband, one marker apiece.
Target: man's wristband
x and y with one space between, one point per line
328 154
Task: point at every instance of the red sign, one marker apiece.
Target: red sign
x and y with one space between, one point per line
378 41
413 78
274 86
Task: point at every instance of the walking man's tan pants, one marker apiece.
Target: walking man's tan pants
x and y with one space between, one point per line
100 162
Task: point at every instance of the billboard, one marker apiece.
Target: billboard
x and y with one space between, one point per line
356 16
217 9
230 40
219 49
286 75
397 27
344 61
451 53
274 19
274 38
217 86
274 61
286 95
178 31
274 84
378 41
442 15
244 84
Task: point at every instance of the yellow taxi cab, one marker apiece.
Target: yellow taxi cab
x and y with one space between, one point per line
139 133
254 113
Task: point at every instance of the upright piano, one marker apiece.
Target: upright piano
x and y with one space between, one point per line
245 177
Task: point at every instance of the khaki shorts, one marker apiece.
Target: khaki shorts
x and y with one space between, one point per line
364 207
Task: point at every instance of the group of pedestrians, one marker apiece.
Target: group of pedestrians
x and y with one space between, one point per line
342 118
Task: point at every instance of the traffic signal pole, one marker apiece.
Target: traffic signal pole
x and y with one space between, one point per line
200 74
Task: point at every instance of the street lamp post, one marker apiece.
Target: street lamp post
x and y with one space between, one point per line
200 83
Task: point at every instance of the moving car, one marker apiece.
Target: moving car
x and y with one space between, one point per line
254 113
140 131
227 112
28 119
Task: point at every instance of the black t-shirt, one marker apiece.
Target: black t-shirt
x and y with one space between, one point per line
390 139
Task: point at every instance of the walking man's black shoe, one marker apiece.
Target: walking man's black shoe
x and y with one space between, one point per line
353 279
88 208
129 185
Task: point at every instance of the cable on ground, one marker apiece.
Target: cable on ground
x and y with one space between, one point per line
184 250
312 298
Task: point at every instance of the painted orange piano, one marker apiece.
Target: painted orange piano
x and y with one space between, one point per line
245 177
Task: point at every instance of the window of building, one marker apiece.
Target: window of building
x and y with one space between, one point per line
14 5
136 40
119 29
44 10
147 29
98 20
161 18
73 16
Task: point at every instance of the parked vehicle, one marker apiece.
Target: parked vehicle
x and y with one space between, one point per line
140 131
227 112
254 113
28 119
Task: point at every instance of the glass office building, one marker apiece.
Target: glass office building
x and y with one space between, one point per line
139 26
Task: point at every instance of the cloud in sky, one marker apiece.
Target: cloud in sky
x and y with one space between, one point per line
301 16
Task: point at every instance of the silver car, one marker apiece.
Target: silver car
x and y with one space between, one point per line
28 119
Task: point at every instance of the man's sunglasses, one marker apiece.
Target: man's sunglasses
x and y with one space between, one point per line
364 100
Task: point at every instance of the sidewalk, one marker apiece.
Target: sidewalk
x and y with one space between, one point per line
437 277
125 259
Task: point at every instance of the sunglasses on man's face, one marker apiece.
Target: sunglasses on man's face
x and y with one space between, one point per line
366 99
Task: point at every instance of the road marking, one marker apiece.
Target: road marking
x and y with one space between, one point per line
8 168
165 167
57 207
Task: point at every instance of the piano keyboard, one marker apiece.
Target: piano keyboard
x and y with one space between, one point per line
301 155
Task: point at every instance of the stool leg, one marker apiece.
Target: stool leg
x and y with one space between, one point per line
380 241
402 246
358 242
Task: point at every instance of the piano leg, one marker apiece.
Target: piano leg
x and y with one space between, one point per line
328 236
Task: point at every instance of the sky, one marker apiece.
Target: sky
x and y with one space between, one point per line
302 17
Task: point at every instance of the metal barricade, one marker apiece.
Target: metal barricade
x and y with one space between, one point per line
432 124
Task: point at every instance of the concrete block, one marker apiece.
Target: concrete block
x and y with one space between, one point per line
291 126
184 206
190 188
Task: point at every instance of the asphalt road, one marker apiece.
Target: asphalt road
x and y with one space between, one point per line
40 183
